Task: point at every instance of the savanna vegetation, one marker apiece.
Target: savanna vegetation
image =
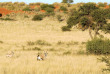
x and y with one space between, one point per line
76 37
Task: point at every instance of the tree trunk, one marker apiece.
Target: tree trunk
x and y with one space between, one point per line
96 31
90 33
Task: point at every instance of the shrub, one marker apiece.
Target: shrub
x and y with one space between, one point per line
33 48
101 5
7 19
37 9
98 46
42 42
65 28
49 14
60 43
108 15
26 9
63 8
30 43
106 28
48 8
37 17
59 17
36 48
106 60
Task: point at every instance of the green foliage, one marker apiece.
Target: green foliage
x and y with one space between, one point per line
37 9
87 8
48 8
70 1
63 8
99 16
84 21
65 28
98 46
107 13
64 1
101 4
7 19
72 20
26 9
67 1
106 28
59 17
106 60
37 17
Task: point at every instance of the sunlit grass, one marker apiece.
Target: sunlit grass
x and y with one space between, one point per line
66 50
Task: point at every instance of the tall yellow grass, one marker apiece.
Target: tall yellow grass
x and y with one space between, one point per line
15 35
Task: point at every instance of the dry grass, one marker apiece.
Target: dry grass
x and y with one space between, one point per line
27 63
16 34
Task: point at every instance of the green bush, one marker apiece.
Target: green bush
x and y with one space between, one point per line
59 17
98 46
7 19
37 17
37 9
63 8
101 5
106 60
65 28
26 9
48 8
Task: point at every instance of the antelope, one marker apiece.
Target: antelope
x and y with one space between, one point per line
11 54
42 56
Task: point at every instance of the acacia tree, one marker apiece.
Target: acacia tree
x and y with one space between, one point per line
89 17
67 1
64 1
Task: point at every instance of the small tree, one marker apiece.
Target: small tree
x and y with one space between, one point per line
89 17
70 1
67 1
